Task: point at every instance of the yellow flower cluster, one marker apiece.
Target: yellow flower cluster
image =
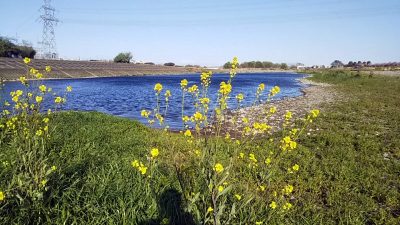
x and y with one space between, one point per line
205 101
59 100
205 78
274 91
27 60
158 88
225 88
252 157
167 95
197 117
188 134
261 87
288 144
239 97
139 166
154 153
144 113
288 115
288 189
261 127
193 89
218 168
2 196
272 110
184 83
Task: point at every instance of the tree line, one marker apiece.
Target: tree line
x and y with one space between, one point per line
11 50
259 64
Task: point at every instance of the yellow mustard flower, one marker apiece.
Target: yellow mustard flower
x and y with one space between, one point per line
272 205
184 83
210 209
154 152
145 113
238 197
268 161
58 100
205 78
198 116
43 182
241 155
2 196
135 163
218 168
288 115
185 119
39 133
27 60
288 189
33 71
239 97
314 113
54 168
252 157
39 75
272 110
261 87
287 206
167 94
158 87
259 222
296 167
204 101
69 89
22 80
187 133
225 88
48 69
46 120
220 189
39 99
275 90
193 89
42 88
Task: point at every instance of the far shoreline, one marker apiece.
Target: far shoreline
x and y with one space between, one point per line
160 74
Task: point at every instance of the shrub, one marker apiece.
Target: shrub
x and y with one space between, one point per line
227 180
123 57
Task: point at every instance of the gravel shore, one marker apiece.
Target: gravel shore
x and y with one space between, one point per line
314 95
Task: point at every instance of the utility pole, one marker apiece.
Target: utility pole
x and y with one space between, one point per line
48 43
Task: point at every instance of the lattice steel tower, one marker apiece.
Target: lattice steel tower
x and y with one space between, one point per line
48 43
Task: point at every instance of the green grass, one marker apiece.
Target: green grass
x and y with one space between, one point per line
349 171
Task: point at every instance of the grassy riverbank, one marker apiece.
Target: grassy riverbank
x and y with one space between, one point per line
349 172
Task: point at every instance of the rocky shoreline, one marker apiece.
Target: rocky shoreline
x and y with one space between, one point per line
314 95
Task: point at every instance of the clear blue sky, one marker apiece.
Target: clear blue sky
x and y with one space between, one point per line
210 32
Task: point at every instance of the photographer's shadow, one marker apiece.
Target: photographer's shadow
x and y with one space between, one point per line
171 212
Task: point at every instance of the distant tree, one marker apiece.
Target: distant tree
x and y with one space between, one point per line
149 63
284 66
251 64
258 64
267 64
227 65
9 49
337 64
368 63
123 57
169 64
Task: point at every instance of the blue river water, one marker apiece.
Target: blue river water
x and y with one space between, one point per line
127 96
